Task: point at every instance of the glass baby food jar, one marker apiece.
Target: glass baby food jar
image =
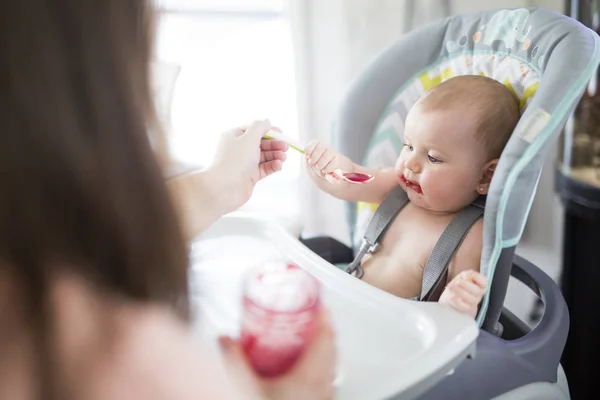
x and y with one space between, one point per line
280 306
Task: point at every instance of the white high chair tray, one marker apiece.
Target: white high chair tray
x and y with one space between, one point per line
387 346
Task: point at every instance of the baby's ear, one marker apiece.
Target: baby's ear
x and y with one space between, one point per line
488 171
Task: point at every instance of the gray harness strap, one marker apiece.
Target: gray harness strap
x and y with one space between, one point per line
443 251
446 247
385 213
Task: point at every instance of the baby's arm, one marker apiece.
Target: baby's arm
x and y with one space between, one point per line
321 160
466 285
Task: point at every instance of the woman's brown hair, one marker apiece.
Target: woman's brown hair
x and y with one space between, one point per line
80 185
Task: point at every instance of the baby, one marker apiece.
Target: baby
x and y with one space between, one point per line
453 138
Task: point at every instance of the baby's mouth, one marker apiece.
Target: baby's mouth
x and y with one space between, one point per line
411 185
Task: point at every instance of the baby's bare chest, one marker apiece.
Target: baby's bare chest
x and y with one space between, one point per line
412 235
404 250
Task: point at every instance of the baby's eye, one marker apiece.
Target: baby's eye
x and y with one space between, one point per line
433 159
408 146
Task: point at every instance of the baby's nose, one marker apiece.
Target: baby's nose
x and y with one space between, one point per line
413 166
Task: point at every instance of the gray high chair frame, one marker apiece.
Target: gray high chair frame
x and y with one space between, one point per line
510 356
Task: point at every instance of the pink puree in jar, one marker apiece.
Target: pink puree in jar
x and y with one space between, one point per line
280 306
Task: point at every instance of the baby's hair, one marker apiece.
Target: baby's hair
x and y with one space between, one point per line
497 107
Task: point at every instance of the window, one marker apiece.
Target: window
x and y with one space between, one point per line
237 65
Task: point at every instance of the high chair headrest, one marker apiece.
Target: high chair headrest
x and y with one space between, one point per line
545 58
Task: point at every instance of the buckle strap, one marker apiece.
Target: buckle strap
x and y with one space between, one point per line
366 247
381 219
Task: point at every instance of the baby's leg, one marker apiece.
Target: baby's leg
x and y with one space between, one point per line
465 291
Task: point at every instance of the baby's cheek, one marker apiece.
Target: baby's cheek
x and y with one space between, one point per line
439 187
433 181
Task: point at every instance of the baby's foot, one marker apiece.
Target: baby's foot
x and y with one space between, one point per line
465 291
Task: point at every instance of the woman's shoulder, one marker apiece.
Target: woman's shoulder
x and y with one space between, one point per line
142 351
155 357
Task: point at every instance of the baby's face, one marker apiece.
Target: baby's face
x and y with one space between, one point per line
442 162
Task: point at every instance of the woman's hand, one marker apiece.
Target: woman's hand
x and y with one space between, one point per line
243 158
310 378
465 291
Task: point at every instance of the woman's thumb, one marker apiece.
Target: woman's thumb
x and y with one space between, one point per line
236 363
233 355
228 347
258 129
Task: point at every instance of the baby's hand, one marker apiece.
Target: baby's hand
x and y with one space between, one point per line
465 291
322 160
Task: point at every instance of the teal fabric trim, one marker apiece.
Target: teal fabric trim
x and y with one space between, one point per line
515 240
518 237
511 242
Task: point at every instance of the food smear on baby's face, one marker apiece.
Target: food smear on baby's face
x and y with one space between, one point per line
411 185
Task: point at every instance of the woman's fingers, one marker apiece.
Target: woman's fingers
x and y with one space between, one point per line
271 155
269 167
273 145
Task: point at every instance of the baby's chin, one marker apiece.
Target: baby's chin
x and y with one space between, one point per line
424 202
418 196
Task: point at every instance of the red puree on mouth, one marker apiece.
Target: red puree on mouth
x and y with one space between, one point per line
411 185
357 177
